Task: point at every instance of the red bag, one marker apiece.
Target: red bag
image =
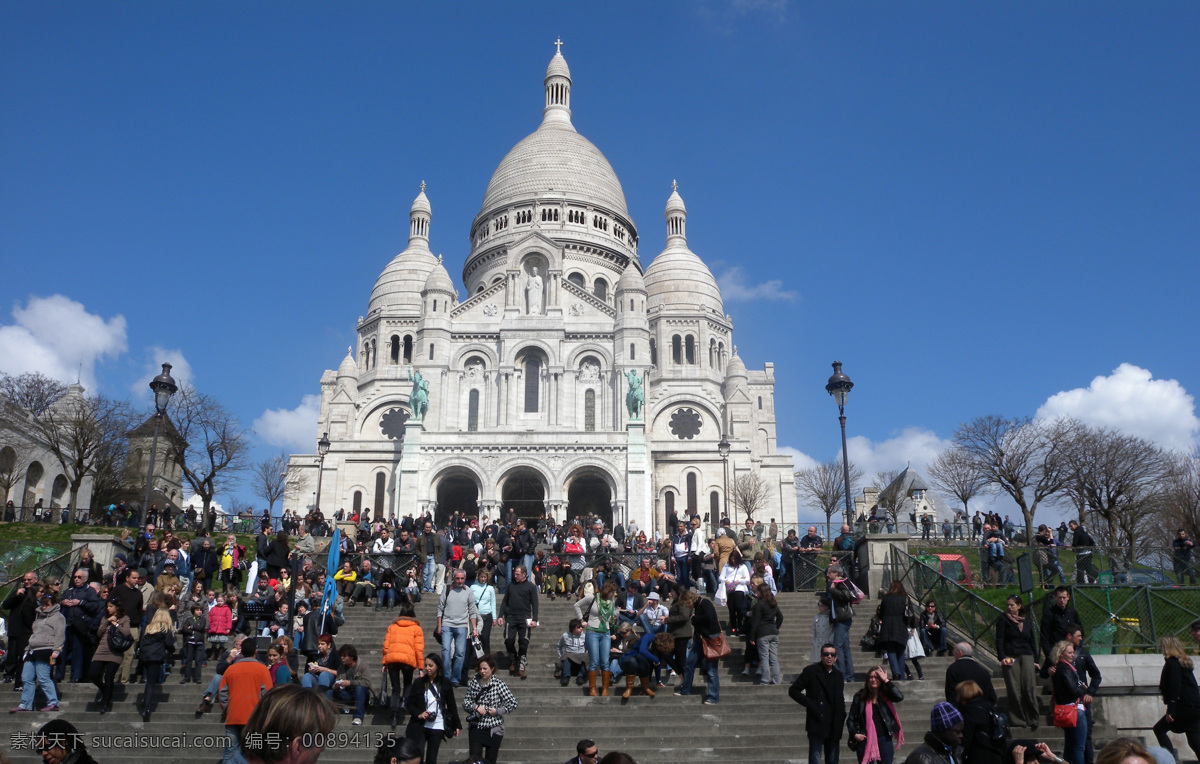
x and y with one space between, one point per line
1065 716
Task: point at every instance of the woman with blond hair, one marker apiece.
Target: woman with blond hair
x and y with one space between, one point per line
1124 750
980 743
1177 684
1068 689
155 645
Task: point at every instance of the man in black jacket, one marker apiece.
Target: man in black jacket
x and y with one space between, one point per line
1056 618
22 611
518 616
705 624
943 739
820 689
81 607
129 595
587 753
965 669
1084 544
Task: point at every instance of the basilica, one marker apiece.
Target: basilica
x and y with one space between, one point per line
564 378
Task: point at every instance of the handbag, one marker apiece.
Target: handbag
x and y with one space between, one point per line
1063 716
118 642
477 648
716 647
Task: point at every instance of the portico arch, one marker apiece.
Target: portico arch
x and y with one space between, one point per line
525 490
457 489
590 491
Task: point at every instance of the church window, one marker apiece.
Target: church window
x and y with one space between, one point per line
357 502
714 505
479 289
721 355
669 500
676 349
533 373
473 411
380 491
653 352
435 306
576 278
685 423
631 305
691 493
760 403
712 353
408 348
431 351
589 410
691 349
600 289
632 352
394 351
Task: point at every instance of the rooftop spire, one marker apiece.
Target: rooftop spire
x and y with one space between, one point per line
558 90
676 217
418 217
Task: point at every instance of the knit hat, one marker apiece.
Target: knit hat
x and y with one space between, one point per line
943 717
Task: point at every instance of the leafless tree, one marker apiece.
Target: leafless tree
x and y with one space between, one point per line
1180 497
213 448
269 478
1023 458
749 493
823 486
891 494
80 430
953 472
1117 477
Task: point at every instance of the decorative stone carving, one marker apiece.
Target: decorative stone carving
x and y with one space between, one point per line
589 372
490 309
533 293
555 463
490 462
576 309
475 373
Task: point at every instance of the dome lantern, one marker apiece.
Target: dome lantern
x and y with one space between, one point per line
676 217
419 217
558 89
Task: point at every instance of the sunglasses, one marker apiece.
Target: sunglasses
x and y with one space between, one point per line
828 655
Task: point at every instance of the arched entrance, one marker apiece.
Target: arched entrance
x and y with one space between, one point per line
524 492
456 493
590 496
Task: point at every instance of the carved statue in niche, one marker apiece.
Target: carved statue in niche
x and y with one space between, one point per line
589 372
474 372
533 293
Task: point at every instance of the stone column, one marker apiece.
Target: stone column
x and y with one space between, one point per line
638 503
408 474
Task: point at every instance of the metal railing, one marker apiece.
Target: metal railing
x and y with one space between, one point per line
1119 566
16 557
60 565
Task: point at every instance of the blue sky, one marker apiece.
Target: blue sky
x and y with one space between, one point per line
977 207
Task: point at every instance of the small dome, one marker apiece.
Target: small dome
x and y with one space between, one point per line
675 201
679 278
631 279
558 67
439 280
421 203
348 369
400 284
735 367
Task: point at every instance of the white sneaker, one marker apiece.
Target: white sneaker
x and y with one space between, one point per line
356 722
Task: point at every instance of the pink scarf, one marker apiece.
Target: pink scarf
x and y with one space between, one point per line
872 752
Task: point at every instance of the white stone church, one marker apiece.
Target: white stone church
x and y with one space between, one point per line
527 373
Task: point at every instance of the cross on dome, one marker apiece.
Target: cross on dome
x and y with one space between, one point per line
558 46
422 186
674 186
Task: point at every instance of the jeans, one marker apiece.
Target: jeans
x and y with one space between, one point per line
323 680
1076 740
597 648
768 659
696 656
617 577
427 574
233 745
895 661
358 694
651 628
37 674
386 597
79 653
527 561
683 569
934 639
887 750
845 662
454 638
823 750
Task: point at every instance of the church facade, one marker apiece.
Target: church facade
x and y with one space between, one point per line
563 378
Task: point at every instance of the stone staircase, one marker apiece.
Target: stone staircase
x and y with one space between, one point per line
750 724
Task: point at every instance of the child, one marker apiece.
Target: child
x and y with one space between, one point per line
822 628
572 651
413 587
220 623
298 622
278 626
914 652
193 627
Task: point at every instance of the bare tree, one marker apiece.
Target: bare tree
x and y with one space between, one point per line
269 479
1117 477
750 493
1180 496
824 486
953 472
891 494
213 446
1021 457
77 428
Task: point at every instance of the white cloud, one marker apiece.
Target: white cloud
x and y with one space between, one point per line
181 370
57 336
294 429
1132 401
915 446
732 284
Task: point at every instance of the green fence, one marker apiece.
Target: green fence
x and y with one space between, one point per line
42 559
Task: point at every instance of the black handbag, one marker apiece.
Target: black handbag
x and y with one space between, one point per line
118 642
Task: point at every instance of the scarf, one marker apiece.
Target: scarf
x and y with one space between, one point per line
872 751
607 609
1018 620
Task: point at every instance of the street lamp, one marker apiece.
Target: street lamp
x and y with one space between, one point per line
723 450
322 450
839 387
164 387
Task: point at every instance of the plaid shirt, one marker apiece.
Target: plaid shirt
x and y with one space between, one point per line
496 695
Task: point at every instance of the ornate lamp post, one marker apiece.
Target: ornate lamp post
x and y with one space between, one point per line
322 450
723 450
164 387
839 387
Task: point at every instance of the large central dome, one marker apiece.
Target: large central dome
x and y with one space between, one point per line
555 159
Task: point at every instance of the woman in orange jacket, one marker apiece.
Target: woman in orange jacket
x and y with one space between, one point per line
403 651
